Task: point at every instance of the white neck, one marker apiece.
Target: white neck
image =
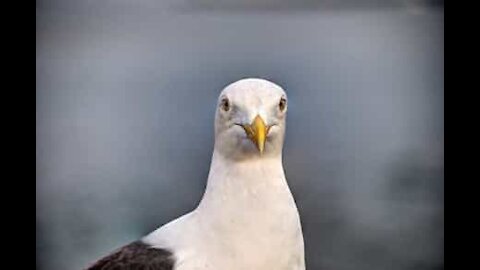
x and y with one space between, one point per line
238 192
247 210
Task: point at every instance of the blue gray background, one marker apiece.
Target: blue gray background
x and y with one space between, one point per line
126 94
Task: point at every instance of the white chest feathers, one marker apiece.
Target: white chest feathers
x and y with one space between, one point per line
246 220
241 241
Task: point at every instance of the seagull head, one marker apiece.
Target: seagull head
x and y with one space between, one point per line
250 119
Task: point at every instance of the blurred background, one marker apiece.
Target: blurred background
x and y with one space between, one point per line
126 94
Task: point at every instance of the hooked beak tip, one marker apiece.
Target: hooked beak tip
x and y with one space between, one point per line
257 132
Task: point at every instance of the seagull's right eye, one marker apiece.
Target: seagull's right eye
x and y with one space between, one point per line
225 104
282 104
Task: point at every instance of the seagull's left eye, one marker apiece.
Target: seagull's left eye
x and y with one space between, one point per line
225 104
282 104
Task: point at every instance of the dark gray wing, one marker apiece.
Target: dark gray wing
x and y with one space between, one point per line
136 256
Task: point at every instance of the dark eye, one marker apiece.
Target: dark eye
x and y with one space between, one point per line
282 104
225 104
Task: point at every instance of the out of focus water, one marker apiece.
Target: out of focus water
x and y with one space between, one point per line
126 96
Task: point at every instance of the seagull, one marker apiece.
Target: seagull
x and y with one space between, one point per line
247 218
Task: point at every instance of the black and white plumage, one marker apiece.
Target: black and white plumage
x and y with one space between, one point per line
247 218
136 255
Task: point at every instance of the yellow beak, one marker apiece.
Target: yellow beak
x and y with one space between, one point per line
257 132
